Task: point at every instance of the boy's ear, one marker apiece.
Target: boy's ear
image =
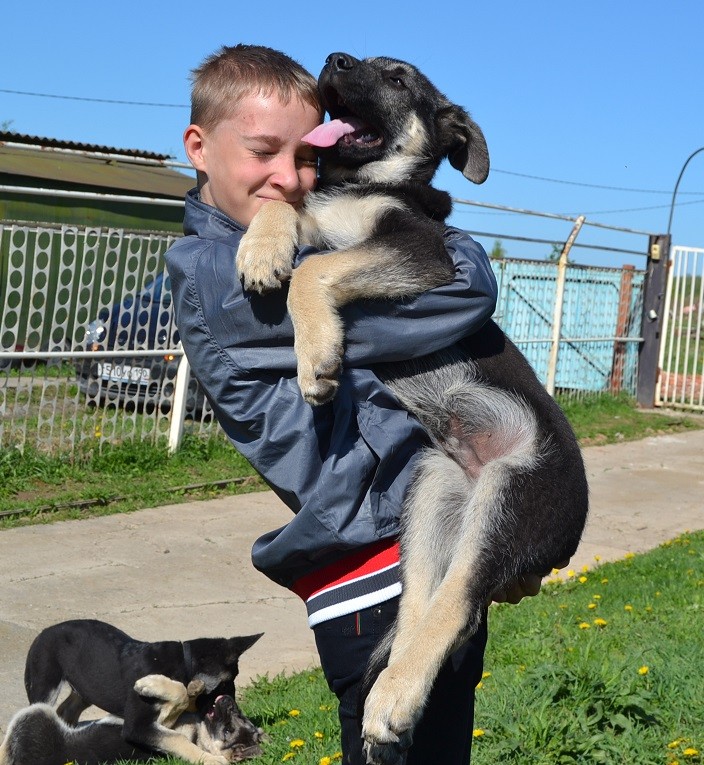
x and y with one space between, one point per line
193 144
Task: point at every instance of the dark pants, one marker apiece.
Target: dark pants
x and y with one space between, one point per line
444 732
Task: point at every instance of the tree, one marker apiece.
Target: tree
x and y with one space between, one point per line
498 251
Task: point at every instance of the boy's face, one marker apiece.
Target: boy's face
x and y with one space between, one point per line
255 155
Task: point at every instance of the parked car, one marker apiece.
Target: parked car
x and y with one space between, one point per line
141 321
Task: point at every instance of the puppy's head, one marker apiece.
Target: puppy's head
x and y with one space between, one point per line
215 665
226 731
389 123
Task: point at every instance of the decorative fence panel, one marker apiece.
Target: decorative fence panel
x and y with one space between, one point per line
89 351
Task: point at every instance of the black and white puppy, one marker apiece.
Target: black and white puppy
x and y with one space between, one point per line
101 664
38 736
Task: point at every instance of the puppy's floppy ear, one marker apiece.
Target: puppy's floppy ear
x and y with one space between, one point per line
464 142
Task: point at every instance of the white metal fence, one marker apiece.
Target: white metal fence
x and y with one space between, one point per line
681 380
89 351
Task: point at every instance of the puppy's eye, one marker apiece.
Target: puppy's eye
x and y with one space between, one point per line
397 81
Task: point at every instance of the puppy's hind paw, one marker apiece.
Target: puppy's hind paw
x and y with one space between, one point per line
388 753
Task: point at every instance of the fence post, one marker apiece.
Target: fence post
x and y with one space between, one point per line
559 303
624 311
178 408
653 306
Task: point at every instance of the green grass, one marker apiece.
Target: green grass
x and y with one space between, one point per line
37 488
556 692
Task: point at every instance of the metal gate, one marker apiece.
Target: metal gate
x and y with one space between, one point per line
681 380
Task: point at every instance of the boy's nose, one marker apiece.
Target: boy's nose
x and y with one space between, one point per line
286 174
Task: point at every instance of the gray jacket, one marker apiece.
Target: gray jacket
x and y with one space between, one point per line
342 468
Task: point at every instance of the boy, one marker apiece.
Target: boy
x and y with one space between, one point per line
342 468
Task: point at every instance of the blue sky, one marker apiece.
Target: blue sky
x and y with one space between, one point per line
587 107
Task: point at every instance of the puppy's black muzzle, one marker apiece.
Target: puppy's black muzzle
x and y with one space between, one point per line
340 62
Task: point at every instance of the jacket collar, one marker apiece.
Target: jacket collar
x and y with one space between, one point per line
202 220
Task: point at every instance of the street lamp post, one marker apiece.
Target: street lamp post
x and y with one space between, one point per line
679 178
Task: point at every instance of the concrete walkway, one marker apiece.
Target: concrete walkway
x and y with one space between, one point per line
184 571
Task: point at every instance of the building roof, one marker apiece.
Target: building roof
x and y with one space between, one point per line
39 161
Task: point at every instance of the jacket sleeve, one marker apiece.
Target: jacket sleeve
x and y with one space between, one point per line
387 331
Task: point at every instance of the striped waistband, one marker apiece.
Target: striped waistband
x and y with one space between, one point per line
360 580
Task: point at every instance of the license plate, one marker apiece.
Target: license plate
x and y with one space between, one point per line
126 373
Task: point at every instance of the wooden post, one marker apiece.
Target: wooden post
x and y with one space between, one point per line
653 307
624 305
559 305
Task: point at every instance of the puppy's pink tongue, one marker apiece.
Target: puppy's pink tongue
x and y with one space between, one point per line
329 133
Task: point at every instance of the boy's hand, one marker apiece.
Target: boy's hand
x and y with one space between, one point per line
265 255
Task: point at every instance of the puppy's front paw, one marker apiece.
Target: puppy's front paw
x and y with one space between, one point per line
195 688
213 759
154 686
320 380
264 262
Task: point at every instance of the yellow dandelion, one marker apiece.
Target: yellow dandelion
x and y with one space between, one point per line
657 593
318 735
628 607
477 732
294 713
597 558
592 605
337 756
690 751
297 743
486 674
585 567
643 670
649 609
521 667
584 626
555 571
596 597
604 581
570 573
674 744
479 685
582 579
325 707
288 756
600 622
629 555
325 761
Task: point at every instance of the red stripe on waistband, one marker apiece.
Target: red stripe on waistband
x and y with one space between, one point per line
361 563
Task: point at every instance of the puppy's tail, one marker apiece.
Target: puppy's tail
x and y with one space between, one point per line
378 662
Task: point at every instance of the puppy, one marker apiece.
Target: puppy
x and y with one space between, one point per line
100 664
502 492
38 736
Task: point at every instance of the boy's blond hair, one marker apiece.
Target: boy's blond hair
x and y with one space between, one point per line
237 71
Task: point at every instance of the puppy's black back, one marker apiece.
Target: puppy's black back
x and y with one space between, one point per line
100 662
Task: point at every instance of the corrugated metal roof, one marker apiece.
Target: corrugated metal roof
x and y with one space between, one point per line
7 136
88 168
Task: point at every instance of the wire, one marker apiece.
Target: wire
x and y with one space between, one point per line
94 100
494 169
587 185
